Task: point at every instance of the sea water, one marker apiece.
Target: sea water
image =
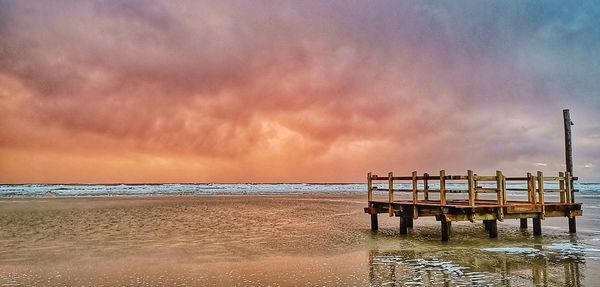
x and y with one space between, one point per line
585 190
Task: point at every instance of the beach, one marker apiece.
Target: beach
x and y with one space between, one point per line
274 240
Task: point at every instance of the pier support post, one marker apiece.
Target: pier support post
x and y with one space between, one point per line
537 226
491 226
445 229
403 225
409 215
572 225
523 223
374 222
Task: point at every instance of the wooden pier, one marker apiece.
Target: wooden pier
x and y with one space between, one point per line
478 197
486 198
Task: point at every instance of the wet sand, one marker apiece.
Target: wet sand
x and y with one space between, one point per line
276 240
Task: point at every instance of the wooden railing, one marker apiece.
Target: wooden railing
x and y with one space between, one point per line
535 187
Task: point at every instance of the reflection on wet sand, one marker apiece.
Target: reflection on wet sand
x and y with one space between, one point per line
269 241
540 266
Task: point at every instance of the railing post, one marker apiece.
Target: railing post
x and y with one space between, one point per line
471 188
415 195
561 187
369 187
391 193
531 189
442 187
390 187
426 186
501 194
568 187
504 189
476 184
414 188
540 179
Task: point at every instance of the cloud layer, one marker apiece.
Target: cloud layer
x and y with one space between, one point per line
129 91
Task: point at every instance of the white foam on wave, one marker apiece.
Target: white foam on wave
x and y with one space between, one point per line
587 190
156 189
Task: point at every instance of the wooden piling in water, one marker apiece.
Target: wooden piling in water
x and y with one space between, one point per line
569 164
374 222
537 226
492 228
403 225
523 223
572 225
445 229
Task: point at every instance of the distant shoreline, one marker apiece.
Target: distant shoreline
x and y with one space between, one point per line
203 189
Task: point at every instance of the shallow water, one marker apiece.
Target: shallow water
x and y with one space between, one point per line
284 240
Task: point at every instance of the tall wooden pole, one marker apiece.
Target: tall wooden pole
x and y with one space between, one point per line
569 161
568 146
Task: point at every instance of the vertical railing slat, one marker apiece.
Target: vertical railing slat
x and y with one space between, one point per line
476 184
391 193
415 195
540 179
414 188
531 189
471 188
442 187
501 194
561 186
426 186
569 187
370 187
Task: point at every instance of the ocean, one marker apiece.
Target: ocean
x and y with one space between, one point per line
585 190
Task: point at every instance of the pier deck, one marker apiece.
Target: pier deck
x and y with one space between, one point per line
481 198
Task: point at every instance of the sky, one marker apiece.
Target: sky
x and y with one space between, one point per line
294 91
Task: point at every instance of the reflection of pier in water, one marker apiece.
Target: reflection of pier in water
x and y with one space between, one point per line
495 267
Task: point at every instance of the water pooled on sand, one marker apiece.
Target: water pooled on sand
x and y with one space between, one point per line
275 240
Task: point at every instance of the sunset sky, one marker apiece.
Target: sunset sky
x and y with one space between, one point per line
294 91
